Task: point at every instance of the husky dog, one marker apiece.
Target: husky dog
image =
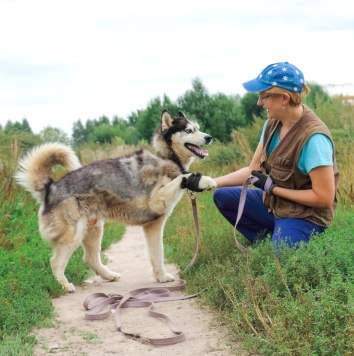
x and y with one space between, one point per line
137 189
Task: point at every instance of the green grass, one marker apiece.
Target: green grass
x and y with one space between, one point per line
27 283
302 304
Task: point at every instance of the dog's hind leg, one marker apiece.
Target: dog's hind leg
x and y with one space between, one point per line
62 252
154 242
61 256
68 241
92 249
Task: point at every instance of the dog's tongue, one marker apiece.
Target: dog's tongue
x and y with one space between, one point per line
201 151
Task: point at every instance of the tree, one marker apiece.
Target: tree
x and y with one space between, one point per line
216 114
50 134
317 95
126 131
17 127
133 118
118 120
148 119
79 133
103 133
224 116
196 103
26 126
249 107
103 120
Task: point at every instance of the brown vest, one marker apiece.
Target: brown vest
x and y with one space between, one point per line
282 166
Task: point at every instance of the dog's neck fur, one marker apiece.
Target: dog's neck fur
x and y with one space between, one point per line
165 151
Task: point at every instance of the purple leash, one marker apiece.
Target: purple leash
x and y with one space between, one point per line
241 205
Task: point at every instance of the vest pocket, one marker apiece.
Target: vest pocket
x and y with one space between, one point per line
283 177
283 207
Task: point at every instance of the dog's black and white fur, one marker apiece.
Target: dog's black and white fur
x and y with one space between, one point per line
138 189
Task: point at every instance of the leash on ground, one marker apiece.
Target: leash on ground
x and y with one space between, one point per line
137 298
144 297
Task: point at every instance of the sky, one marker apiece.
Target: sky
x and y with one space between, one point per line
61 61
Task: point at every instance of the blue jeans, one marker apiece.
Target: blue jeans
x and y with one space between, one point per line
256 222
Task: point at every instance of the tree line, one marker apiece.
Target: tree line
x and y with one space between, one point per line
218 114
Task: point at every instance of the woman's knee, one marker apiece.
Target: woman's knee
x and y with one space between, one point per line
218 197
224 196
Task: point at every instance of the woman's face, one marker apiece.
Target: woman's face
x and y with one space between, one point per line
272 103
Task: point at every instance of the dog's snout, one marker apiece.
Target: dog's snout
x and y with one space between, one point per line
208 139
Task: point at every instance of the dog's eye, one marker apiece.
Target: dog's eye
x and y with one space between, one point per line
188 131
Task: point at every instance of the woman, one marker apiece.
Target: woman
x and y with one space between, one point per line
294 166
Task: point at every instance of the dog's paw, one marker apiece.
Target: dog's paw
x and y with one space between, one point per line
68 287
112 276
166 277
207 183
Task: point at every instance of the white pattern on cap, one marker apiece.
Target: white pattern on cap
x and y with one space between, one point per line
274 76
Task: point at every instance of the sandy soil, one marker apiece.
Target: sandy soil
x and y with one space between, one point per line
71 334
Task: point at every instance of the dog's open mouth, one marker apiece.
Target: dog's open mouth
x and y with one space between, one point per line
199 152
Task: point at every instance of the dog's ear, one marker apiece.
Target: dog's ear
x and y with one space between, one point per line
181 114
166 120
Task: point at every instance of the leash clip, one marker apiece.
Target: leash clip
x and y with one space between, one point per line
191 194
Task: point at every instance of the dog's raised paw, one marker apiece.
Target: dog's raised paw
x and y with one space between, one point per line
207 183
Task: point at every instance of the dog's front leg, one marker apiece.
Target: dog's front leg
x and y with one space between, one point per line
166 197
154 242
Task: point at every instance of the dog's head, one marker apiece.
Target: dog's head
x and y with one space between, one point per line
182 136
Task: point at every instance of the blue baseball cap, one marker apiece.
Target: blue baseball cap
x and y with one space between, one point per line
283 75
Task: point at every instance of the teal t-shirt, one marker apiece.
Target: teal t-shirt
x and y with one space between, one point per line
317 151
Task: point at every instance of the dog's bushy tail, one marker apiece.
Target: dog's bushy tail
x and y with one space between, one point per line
35 168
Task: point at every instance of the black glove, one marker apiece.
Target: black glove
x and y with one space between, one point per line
262 181
192 182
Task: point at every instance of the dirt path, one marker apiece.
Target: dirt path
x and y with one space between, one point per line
72 335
